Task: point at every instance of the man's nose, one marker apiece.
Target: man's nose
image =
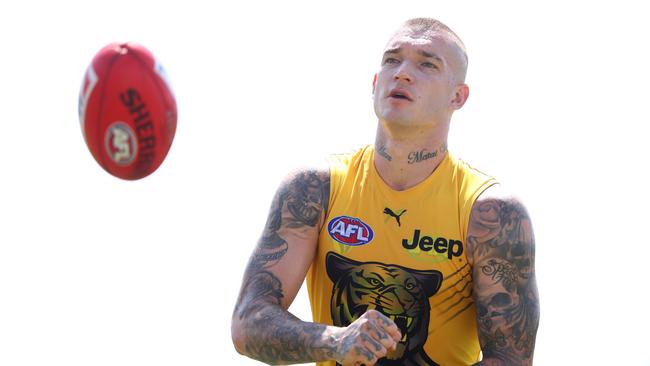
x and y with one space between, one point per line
403 73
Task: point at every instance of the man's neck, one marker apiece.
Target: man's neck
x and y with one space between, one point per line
405 161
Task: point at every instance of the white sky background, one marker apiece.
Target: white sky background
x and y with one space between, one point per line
99 271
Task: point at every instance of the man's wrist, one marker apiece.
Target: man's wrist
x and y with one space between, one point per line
330 341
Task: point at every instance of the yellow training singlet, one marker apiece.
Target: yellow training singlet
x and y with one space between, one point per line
402 253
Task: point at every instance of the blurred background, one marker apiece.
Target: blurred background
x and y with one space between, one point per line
99 271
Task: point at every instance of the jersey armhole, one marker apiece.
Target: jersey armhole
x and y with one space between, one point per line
470 204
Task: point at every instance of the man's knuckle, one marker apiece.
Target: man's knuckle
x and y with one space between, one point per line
366 326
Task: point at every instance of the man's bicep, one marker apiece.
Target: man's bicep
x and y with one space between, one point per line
502 250
282 256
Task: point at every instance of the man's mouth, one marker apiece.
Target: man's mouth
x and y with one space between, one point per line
400 94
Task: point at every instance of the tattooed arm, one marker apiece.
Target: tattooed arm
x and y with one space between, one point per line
502 251
262 328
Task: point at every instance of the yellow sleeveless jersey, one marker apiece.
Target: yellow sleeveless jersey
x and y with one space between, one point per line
402 253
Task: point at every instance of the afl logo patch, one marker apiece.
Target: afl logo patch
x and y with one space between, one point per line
350 231
120 143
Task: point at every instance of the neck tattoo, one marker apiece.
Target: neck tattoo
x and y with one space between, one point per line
384 154
422 155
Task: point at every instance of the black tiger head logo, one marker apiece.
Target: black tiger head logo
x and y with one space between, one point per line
400 293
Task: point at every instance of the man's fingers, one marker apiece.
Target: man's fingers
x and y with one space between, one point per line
369 357
372 336
377 347
397 335
394 332
386 339
387 324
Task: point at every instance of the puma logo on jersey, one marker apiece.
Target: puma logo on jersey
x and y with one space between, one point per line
390 212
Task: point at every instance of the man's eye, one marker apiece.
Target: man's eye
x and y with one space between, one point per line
430 65
390 60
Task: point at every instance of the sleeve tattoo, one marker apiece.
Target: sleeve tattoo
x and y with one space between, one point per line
274 335
505 292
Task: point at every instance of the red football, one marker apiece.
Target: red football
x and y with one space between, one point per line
127 110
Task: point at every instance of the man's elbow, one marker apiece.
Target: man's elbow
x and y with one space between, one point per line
237 334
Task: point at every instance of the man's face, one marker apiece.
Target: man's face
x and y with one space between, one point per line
416 85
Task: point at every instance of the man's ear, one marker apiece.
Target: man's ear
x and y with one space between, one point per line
374 83
460 96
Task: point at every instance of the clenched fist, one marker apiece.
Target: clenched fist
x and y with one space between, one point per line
366 340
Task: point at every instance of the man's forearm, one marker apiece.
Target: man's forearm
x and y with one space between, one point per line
275 336
261 327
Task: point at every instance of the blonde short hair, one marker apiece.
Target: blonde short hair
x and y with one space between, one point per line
434 26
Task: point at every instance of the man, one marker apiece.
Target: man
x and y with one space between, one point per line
412 257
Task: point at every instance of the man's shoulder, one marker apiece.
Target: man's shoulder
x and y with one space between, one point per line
497 211
349 157
466 169
325 165
303 179
497 200
319 169
498 193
